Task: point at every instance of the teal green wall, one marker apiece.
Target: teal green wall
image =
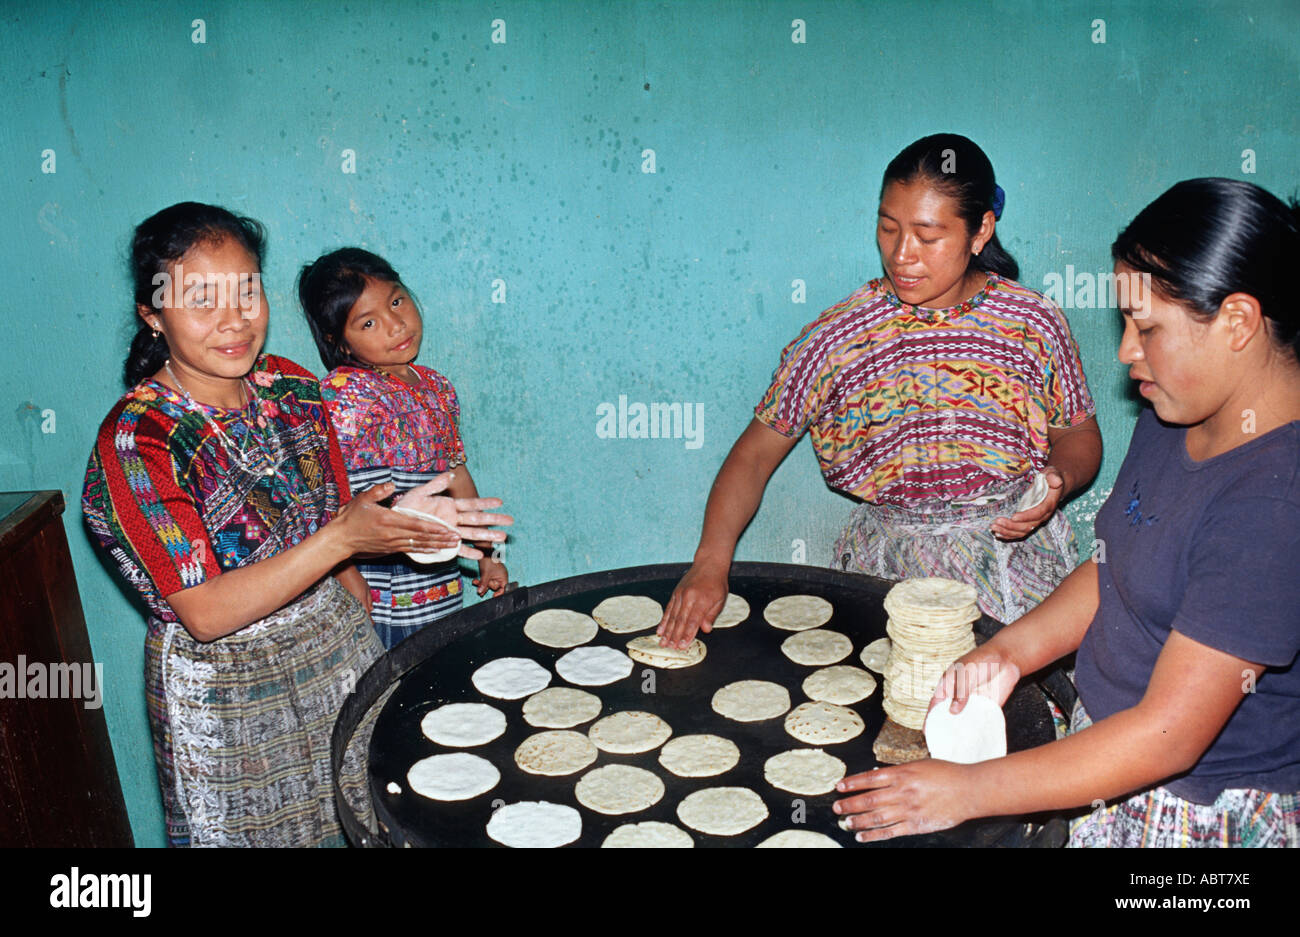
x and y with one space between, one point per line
522 161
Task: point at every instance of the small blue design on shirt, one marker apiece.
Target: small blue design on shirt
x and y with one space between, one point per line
1134 513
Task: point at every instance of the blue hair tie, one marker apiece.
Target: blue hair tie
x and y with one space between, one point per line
999 200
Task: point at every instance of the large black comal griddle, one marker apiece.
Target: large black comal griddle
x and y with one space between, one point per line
434 667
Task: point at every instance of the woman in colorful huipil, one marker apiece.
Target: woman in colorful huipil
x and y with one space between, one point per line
396 422
218 489
933 395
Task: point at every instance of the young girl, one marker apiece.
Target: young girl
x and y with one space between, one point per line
397 422
217 488
1188 632
932 395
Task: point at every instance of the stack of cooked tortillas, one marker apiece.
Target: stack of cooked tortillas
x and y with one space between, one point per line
930 626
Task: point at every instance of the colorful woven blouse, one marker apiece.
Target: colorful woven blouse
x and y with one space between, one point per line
908 405
380 421
165 499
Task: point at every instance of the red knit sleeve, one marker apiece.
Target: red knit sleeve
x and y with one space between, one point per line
337 465
152 519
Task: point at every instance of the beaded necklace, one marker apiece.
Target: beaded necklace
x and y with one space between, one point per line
415 375
239 453
950 312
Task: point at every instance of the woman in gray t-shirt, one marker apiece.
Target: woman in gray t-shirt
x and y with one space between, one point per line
1187 617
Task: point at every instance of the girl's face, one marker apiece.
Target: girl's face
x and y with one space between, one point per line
213 314
383 328
924 246
1182 365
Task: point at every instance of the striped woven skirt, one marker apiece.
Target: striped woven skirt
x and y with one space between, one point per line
241 725
954 541
1160 818
405 595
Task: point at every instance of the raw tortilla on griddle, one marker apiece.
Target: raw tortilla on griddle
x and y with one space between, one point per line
458 776
799 839
594 666
463 725
510 678
534 824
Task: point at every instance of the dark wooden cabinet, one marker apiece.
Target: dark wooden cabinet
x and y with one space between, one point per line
58 780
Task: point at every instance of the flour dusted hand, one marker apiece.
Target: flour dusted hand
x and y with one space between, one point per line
467 516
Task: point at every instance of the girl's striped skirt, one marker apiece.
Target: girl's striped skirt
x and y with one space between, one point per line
406 595
241 725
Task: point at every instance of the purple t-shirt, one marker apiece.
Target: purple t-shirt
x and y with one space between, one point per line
1210 549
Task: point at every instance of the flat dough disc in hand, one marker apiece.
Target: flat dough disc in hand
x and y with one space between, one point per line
1036 494
439 556
977 733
